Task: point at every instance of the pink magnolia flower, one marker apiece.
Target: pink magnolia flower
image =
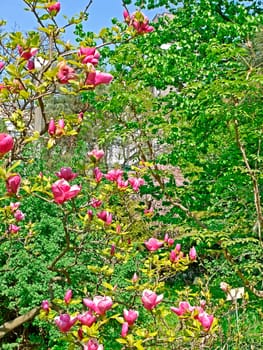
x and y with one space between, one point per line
96 154
136 183
150 299
2 64
112 249
95 203
192 254
19 215
93 345
30 65
149 212
98 175
224 286
62 191
67 174
89 55
45 306
138 21
168 240
14 206
122 184
87 318
99 304
184 307
6 143
105 216
178 247
153 244
68 296
124 329
205 320
65 322
65 73
52 127
54 8
130 316
114 174
90 214
13 228
96 78
60 126
27 53
13 183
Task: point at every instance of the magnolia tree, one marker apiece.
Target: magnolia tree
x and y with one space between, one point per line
105 270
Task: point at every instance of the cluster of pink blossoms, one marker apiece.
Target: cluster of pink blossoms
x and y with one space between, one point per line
138 21
153 244
197 312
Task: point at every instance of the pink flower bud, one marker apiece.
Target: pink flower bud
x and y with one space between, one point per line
205 320
90 214
13 183
6 143
54 8
2 64
45 306
112 250
67 174
124 329
68 296
27 53
178 247
97 175
93 345
224 286
134 278
51 127
192 254
30 65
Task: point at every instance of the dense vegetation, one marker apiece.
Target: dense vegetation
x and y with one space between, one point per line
154 239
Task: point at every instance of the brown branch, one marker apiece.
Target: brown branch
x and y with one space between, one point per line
254 180
11 325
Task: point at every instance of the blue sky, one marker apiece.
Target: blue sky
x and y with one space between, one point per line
101 12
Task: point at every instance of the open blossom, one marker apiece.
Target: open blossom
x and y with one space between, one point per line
95 78
6 143
153 244
54 8
122 184
19 215
13 183
62 191
99 304
96 154
130 316
105 216
114 174
27 53
87 318
65 73
14 206
93 345
66 173
95 203
65 322
13 228
184 307
192 254
136 183
150 299
206 320
89 55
